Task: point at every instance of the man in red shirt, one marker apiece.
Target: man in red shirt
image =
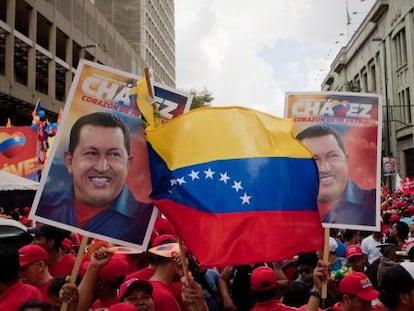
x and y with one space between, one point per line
13 292
356 258
51 238
137 293
33 268
167 263
263 284
104 273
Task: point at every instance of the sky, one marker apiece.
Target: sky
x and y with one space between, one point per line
250 53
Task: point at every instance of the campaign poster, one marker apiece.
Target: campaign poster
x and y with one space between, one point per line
97 180
389 166
18 151
343 131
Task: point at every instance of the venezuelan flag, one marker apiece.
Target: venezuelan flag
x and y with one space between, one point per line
236 184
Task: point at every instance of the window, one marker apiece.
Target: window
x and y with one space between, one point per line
43 31
61 44
42 73
409 161
404 111
373 75
400 47
20 61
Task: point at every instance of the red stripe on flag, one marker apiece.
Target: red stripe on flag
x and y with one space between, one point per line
244 237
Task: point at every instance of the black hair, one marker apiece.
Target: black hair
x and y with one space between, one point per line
296 295
57 235
396 280
30 304
349 234
9 264
56 285
158 260
264 295
102 119
308 258
320 131
402 229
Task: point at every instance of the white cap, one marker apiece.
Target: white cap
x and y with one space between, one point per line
409 266
333 245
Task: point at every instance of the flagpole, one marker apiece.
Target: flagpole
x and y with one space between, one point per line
348 19
76 266
324 292
183 258
37 141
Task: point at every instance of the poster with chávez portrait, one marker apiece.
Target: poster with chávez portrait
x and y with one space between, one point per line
343 131
97 180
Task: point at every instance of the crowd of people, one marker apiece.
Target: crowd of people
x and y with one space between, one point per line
365 270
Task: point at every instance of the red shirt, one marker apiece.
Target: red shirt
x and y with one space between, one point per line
163 297
99 303
143 274
177 288
86 213
44 289
63 267
271 305
17 294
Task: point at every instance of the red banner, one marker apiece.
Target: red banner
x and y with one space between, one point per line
18 151
407 185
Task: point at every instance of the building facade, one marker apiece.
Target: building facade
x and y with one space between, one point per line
42 41
149 26
379 58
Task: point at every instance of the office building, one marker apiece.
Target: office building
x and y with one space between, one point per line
42 41
379 58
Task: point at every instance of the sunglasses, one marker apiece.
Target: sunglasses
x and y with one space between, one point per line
304 270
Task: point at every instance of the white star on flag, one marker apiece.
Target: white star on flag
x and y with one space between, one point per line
237 185
180 181
209 173
245 199
224 177
194 175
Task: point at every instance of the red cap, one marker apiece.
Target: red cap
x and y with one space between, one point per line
67 244
134 283
32 253
163 226
358 284
163 239
406 248
353 250
394 218
113 270
122 306
262 279
303 308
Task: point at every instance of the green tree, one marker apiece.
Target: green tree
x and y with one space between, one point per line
201 99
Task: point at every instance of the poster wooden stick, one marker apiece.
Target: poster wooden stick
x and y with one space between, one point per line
148 77
76 266
183 258
324 292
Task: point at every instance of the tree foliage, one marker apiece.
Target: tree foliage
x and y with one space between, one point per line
201 98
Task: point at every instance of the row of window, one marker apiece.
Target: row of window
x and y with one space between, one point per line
153 46
163 20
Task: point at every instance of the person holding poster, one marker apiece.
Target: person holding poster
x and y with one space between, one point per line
98 158
340 199
388 166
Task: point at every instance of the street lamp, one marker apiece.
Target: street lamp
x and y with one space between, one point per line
387 107
88 46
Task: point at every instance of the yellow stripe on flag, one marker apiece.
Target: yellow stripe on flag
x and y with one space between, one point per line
238 133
